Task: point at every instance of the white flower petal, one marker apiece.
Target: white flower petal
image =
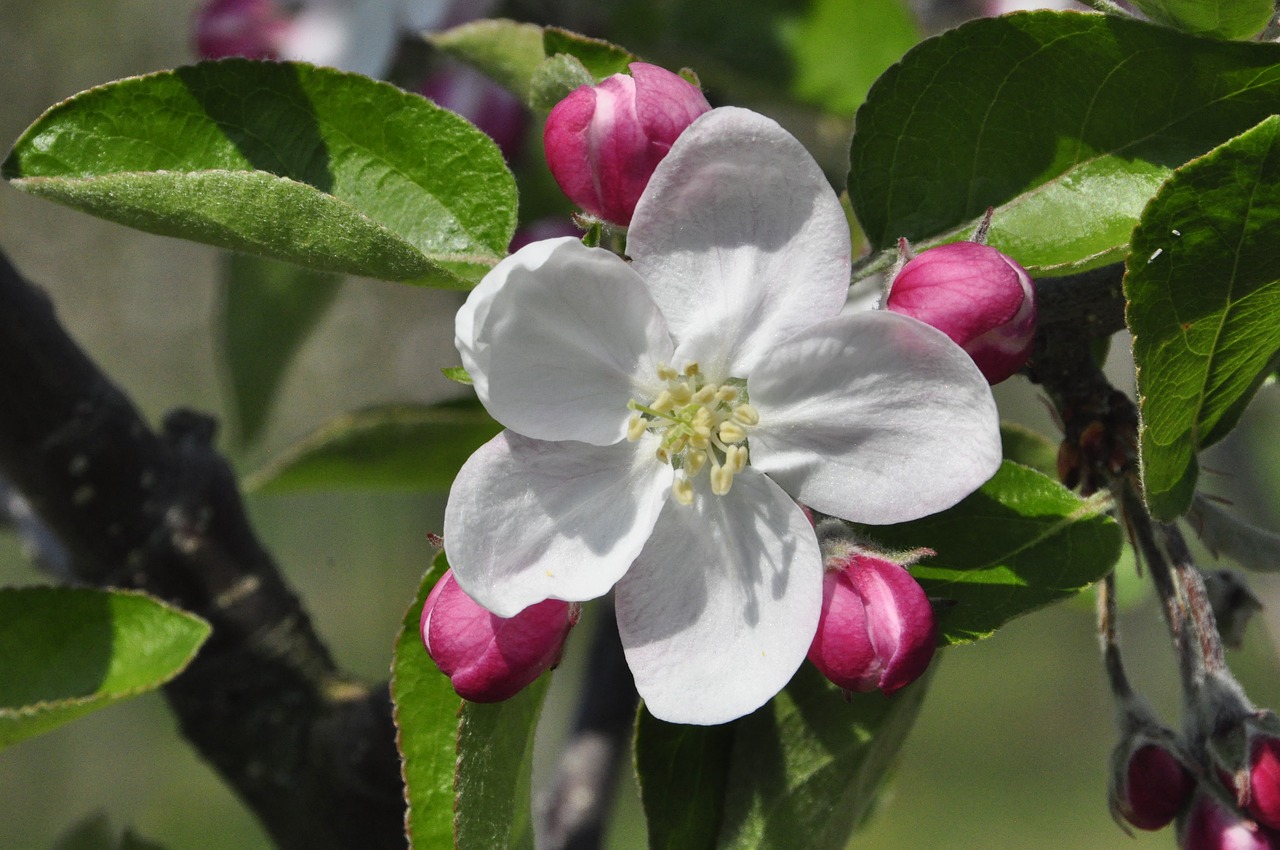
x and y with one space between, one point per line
741 240
558 338
875 418
529 520
721 606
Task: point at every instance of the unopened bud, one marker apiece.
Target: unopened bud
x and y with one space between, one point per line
976 295
1149 784
603 142
876 629
490 658
1212 826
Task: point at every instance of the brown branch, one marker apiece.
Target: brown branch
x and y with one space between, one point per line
310 751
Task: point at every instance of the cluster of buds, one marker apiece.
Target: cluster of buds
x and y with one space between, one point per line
877 629
486 657
603 142
980 298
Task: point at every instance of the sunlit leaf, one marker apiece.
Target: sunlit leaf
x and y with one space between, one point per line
65 652
426 716
1066 123
1020 542
322 168
1221 18
1203 290
599 57
507 51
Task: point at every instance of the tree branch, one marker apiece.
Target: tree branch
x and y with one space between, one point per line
309 750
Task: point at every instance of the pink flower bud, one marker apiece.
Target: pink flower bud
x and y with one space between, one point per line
876 629
490 658
480 100
977 296
1149 785
604 142
249 28
1264 780
1211 826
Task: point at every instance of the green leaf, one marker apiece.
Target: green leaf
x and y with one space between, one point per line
555 79
68 651
397 447
1020 542
494 808
94 832
268 310
426 711
810 763
1066 123
600 58
322 168
1220 18
507 51
1203 291
683 771
1029 448
457 374
838 54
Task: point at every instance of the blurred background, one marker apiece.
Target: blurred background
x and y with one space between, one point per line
1011 748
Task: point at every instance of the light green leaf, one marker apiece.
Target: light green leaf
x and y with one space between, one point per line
1020 542
426 712
457 374
600 58
683 771
1219 18
811 763
397 447
495 761
319 167
555 79
268 309
1203 286
65 652
1067 124
507 51
1029 448
839 51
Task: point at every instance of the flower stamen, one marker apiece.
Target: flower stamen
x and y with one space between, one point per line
701 424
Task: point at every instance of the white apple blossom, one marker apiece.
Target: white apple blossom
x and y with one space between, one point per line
664 414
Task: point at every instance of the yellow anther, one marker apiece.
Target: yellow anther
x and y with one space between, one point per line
682 489
636 428
703 418
721 480
681 392
666 373
726 394
691 369
694 462
732 432
700 439
746 414
662 455
736 458
664 402
705 395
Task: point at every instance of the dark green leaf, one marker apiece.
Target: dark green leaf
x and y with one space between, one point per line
600 58
683 771
555 79
1066 123
319 167
507 51
1220 18
398 447
68 651
268 310
1020 542
838 54
426 716
1203 286
95 833
806 769
495 760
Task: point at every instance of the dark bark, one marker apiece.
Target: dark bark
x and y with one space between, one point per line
309 750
